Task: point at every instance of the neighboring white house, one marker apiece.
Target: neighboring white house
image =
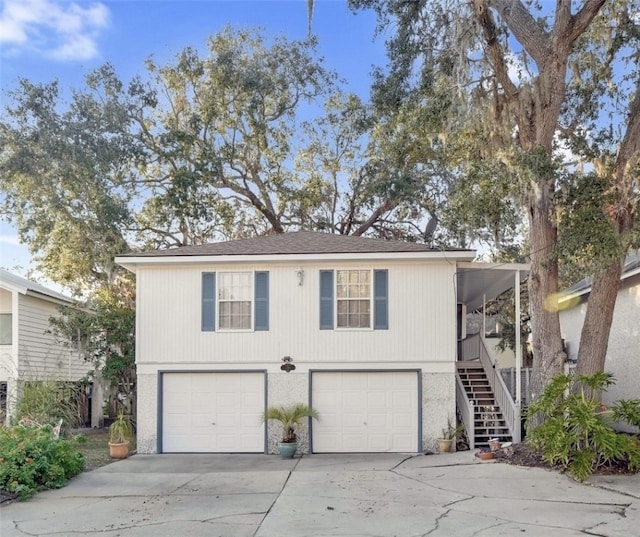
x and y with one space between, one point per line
623 353
370 326
27 351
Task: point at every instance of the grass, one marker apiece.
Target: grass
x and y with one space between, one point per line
96 449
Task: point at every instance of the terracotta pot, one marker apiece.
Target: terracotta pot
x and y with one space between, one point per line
495 444
119 451
487 455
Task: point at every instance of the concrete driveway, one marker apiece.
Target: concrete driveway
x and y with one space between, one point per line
381 495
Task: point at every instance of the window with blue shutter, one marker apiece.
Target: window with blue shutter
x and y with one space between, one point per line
261 291
208 301
380 300
357 305
234 305
326 300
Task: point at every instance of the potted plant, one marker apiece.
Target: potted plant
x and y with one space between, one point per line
449 434
290 417
120 436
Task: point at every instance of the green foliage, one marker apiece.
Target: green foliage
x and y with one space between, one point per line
31 460
290 417
104 335
121 430
451 431
587 241
577 431
48 402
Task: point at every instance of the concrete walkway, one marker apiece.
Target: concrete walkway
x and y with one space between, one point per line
384 495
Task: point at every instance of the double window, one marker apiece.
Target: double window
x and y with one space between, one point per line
349 299
354 299
241 300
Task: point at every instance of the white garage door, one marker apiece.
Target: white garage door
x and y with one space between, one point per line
212 412
365 412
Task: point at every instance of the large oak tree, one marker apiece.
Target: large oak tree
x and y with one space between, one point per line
533 79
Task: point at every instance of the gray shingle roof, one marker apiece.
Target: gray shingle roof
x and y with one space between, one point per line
300 242
24 285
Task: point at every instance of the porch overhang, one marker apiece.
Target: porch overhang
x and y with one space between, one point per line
478 283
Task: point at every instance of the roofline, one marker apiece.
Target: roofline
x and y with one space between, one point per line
130 263
43 293
568 294
478 265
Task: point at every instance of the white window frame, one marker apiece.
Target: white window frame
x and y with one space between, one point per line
221 275
337 298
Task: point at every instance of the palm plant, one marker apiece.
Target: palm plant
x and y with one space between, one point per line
291 417
121 430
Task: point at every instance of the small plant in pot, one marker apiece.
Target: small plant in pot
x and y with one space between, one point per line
290 417
120 436
449 434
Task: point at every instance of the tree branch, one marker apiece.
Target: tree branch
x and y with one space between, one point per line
582 19
526 29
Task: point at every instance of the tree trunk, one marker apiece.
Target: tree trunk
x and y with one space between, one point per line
548 354
594 338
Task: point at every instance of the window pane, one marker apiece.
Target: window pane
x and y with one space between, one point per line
235 293
353 298
342 291
5 329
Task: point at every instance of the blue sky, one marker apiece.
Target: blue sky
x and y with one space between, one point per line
43 40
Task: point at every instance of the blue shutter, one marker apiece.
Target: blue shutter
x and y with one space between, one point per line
326 300
208 301
261 290
380 300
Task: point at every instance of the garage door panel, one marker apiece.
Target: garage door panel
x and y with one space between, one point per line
213 412
365 411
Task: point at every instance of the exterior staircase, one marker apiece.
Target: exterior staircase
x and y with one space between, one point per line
488 419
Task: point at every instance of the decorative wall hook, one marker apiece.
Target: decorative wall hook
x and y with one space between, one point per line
287 365
300 275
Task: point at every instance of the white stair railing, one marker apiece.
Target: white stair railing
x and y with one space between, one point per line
465 407
510 411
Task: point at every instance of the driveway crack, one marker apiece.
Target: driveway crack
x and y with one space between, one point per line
266 514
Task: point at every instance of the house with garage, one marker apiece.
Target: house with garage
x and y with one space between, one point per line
28 351
367 331
624 340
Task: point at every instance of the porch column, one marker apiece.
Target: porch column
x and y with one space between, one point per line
518 401
518 349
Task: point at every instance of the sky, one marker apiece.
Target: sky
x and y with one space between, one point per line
46 40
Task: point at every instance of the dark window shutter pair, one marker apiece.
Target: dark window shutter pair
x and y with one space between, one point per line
380 300
261 301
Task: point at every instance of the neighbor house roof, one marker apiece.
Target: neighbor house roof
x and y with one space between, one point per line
23 286
293 245
631 268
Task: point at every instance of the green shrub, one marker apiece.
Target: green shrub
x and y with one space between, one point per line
48 402
31 460
577 430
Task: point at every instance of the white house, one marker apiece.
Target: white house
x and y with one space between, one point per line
27 351
369 326
623 356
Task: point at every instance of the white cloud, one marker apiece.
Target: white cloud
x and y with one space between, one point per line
9 239
57 29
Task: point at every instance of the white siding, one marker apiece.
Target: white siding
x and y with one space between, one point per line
40 356
421 335
421 319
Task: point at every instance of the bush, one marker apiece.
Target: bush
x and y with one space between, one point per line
31 460
49 401
577 430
